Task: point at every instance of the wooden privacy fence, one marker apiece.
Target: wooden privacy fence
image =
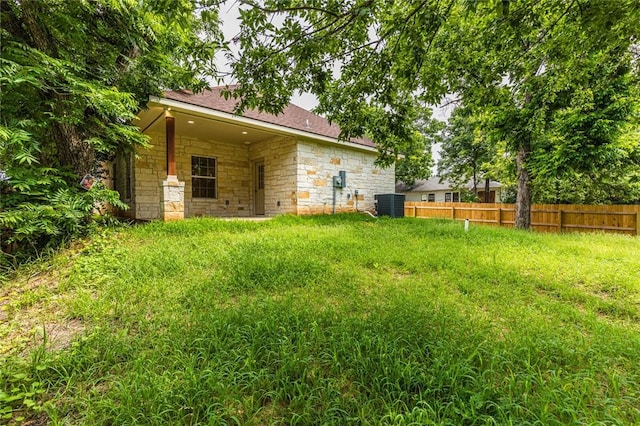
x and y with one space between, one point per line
544 217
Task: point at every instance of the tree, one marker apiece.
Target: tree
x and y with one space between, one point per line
587 156
74 75
519 57
583 156
612 176
529 109
414 160
76 72
466 151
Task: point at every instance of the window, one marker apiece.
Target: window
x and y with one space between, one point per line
127 165
431 198
203 177
456 197
122 176
447 197
260 176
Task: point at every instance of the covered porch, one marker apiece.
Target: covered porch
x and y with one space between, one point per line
210 163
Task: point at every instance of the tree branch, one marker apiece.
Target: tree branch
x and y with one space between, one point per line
289 9
350 14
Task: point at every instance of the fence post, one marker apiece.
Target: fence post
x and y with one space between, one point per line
453 212
499 216
559 220
637 223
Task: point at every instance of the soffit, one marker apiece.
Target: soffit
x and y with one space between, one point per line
187 124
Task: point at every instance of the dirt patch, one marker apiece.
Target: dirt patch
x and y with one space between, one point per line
4 315
59 335
33 311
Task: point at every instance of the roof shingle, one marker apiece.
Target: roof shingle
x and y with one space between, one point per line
292 117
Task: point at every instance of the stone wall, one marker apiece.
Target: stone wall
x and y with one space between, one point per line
148 174
233 178
298 177
279 156
318 163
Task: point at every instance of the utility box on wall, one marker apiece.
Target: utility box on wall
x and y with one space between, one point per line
340 181
390 205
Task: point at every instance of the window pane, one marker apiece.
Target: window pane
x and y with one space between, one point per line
456 197
203 177
194 166
203 188
261 176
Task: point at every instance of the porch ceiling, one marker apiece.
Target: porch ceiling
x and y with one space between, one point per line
200 127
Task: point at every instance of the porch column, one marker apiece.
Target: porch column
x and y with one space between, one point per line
172 190
171 144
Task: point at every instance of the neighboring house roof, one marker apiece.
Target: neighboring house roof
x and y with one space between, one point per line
434 184
292 116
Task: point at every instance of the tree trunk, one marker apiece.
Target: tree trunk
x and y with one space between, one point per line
40 37
475 182
523 198
486 191
72 150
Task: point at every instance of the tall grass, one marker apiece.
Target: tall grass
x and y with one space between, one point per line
344 320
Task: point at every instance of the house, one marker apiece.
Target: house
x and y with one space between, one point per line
204 160
436 190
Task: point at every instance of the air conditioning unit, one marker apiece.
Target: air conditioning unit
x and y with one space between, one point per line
390 205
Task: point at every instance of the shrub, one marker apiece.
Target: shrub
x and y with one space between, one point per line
38 215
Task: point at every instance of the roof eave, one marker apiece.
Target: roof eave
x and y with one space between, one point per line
253 123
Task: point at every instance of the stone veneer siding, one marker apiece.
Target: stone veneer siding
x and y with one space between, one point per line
233 178
318 163
279 156
298 177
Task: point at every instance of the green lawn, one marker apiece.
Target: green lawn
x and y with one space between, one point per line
326 320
